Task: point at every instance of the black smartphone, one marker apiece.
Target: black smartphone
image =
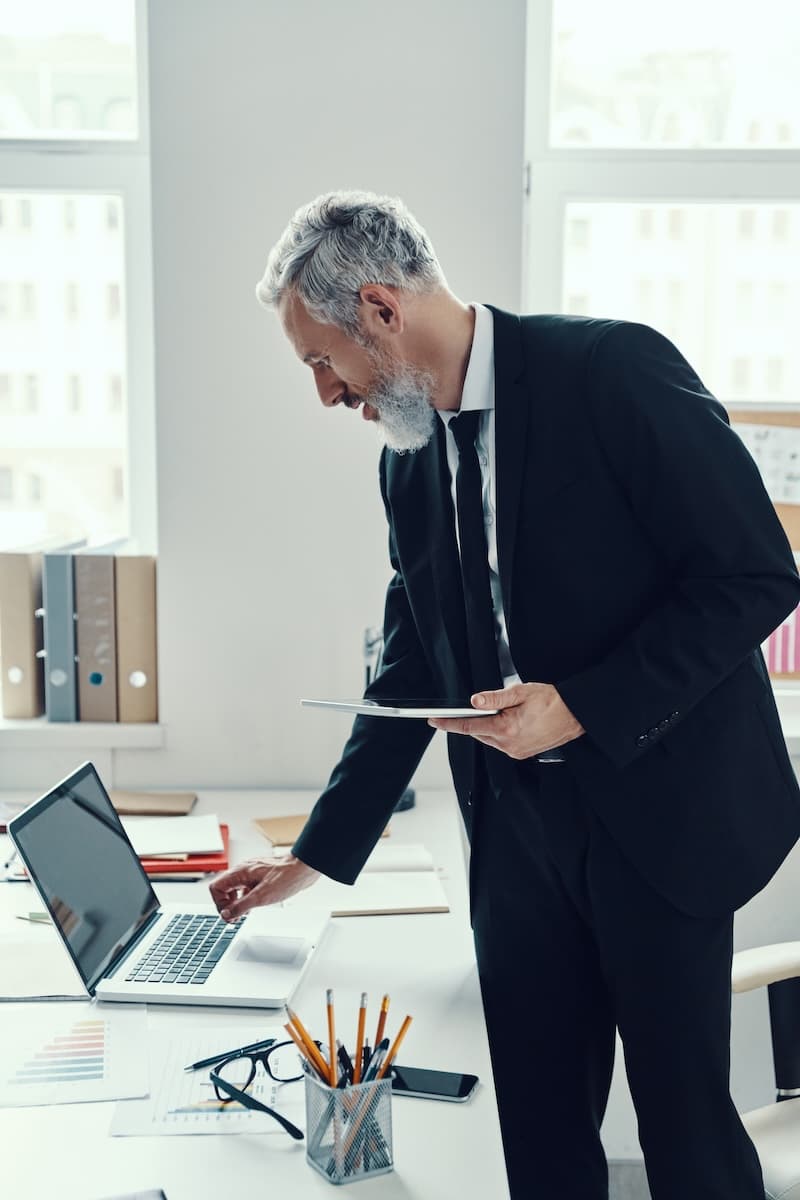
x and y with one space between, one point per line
432 1085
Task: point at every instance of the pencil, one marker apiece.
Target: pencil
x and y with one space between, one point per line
311 1050
387 1062
298 1041
381 1020
362 1016
331 1038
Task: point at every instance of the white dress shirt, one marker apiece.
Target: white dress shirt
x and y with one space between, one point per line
478 393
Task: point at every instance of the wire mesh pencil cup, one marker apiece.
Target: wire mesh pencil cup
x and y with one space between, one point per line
349 1130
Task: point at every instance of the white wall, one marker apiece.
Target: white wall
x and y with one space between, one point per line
272 545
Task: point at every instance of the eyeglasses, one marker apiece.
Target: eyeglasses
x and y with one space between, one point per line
235 1075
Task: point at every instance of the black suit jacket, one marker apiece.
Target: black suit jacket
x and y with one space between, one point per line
641 565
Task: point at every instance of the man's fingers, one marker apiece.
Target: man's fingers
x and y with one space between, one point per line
503 698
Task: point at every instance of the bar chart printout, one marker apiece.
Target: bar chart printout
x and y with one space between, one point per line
51 1055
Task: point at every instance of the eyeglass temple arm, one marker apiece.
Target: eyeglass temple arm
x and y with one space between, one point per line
257 1106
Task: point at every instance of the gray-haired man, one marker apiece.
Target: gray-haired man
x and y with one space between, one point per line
562 552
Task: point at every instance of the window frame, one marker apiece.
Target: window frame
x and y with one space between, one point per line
557 176
119 167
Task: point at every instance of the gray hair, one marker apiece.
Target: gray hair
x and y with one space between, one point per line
342 241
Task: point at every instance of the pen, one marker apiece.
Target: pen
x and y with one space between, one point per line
207 1062
331 1038
391 1055
382 1019
366 1055
345 1060
362 1016
374 1064
14 855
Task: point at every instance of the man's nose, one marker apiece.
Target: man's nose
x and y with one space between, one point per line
330 388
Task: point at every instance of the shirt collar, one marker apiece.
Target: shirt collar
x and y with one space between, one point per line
478 390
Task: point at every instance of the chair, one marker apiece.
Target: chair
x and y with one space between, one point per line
775 1129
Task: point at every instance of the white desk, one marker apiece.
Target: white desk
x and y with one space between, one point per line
427 965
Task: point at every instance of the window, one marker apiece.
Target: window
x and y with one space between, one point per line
6 484
665 148
74 393
75 273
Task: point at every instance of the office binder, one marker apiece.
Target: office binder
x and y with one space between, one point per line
137 673
22 691
58 611
96 636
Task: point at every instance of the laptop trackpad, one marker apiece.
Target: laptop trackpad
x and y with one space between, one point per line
266 948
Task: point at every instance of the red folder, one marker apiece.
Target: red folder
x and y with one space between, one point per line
208 863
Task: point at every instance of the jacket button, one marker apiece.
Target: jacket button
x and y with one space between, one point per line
642 739
662 725
653 732
672 716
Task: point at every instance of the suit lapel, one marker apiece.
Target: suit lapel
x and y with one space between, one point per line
511 442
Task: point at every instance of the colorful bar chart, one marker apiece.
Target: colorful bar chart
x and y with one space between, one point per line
51 1056
72 1056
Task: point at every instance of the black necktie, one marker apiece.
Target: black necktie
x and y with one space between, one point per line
474 556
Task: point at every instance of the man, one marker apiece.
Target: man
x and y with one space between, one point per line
581 541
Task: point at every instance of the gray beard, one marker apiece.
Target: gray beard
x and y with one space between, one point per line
401 396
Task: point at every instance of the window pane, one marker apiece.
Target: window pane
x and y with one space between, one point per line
63 446
677 75
727 292
68 70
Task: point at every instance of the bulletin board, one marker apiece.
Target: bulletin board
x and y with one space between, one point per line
773 437
788 513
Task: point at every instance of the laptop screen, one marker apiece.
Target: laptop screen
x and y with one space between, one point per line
78 854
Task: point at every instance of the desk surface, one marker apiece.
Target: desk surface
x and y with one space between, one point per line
427 965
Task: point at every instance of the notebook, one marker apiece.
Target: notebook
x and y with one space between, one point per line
124 944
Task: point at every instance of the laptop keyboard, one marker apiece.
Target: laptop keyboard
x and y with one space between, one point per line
186 951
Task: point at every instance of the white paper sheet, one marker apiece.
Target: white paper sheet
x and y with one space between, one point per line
776 449
183 1102
174 835
61 1054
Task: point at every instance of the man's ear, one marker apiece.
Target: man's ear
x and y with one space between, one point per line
381 310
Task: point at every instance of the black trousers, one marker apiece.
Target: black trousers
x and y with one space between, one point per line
572 943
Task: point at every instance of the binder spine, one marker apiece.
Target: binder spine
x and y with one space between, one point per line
21 668
137 682
96 637
58 595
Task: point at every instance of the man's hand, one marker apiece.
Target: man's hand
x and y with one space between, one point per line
259 881
533 718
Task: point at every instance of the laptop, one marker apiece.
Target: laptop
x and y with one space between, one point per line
125 944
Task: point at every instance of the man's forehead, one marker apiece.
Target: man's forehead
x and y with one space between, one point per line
306 334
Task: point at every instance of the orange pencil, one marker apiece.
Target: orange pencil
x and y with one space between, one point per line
304 1052
362 1016
311 1049
381 1021
387 1062
331 1039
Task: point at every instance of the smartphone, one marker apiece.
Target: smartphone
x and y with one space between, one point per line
432 1085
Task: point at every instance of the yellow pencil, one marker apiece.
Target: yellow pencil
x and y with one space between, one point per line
311 1049
387 1062
304 1052
331 1038
381 1021
362 1016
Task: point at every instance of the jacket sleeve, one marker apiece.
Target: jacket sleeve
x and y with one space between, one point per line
698 497
381 754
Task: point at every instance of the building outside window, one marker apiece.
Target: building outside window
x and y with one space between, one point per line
76 401
666 149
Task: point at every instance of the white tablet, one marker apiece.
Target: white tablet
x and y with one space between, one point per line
419 709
